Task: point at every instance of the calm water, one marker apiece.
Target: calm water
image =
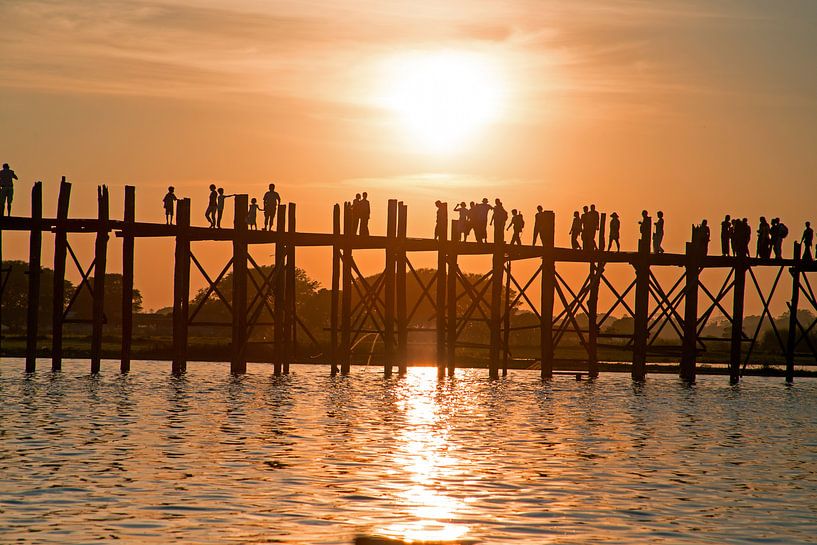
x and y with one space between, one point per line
208 458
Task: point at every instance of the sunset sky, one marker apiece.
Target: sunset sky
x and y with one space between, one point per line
697 108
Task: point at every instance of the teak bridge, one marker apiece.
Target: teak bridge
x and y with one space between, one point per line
380 304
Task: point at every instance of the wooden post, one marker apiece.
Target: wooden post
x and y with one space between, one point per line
238 361
738 292
642 303
58 293
506 323
791 342
289 298
346 293
100 266
596 270
279 289
442 240
602 230
389 272
333 318
127 277
546 295
181 287
34 273
402 265
689 354
496 299
451 289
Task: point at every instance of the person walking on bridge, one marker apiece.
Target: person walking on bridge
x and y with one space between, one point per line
7 177
364 213
539 226
764 245
212 206
518 223
499 217
271 201
615 228
807 240
575 231
220 206
726 234
658 237
462 221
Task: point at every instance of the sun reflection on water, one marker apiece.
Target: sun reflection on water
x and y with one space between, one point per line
427 461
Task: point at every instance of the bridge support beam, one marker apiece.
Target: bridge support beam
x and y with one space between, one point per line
736 341
34 274
127 278
642 302
546 296
100 266
400 303
496 299
238 356
791 341
58 293
181 287
689 345
389 286
442 237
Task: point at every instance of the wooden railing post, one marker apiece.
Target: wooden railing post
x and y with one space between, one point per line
451 288
100 266
280 318
389 272
498 266
58 293
546 295
34 275
791 341
642 302
333 318
442 243
346 293
127 277
689 354
291 290
238 360
402 265
736 341
181 287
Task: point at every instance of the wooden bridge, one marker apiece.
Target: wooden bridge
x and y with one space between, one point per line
378 305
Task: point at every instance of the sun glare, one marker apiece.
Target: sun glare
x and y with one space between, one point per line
443 100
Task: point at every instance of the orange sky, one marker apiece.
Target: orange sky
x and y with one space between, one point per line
697 108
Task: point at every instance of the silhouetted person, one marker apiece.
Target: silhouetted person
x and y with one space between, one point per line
481 220
439 226
745 237
764 244
365 214
212 206
500 215
252 213
658 236
587 233
595 221
807 240
462 221
220 206
517 223
469 226
726 234
7 177
782 233
356 214
644 229
615 232
539 226
169 204
705 237
271 201
575 231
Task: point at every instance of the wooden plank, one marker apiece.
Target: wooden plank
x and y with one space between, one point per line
388 281
238 361
548 282
34 275
791 341
333 318
442 238
402 266
127 278
58 289
642 304
496 299
181 288
689 346
451 335
278 291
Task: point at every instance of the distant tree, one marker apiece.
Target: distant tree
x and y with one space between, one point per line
15 296
83 306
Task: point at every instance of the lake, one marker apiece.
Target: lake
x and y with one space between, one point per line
307 458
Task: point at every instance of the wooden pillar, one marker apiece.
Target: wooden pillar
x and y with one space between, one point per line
402 266
496 299
506 323
442 243
791 342
333 318
642 303
291 280
451 288
388 281
346 293
100 266
546 295
689 354
280 319
181 287
127 277
58 290
602 230
238 361
34 274
596 270
738 292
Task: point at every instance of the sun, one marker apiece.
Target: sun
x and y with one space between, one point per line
443 100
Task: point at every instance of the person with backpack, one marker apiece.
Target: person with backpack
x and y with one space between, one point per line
777 241
518 223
